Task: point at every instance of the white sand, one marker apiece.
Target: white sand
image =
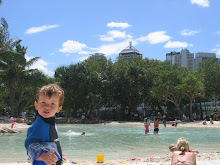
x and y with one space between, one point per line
202 158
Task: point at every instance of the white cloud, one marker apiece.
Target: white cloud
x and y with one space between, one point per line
118 24
71 46
116 48
39 29
187 32
106 38
40 65
203 3
114 34
176 44
155 37
218 32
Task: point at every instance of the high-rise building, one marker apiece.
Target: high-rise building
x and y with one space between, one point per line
201 56
187 59
183 58
97 55
173 57
129 52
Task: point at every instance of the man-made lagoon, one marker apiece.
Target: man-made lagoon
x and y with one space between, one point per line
115 141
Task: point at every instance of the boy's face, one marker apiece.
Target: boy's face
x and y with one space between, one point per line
48 107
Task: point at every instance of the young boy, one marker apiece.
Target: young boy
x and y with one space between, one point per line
42 141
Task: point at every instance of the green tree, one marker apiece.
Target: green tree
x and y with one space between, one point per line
209 71
12 64
167 85
192 87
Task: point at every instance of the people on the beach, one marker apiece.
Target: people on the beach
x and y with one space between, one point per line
204 122
146 125
211 121
172 148
182 156
156 125
215 114
42 142
164 120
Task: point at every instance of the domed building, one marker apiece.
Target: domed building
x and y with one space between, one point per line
129 52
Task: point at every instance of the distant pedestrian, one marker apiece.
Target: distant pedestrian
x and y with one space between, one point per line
215 114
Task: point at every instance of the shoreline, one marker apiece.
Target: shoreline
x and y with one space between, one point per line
203 158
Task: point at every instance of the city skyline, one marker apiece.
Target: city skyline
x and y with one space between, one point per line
69 32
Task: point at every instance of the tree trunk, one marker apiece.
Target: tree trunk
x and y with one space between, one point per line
190 109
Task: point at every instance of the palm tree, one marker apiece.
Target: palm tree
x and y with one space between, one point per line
12 64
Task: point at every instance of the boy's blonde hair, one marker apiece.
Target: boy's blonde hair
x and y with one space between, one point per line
182 144
50 90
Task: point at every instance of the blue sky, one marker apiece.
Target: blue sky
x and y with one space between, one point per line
68 31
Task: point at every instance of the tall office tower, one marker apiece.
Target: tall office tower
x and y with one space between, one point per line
187 59
129 52
183 58
173 57
97 55
201 56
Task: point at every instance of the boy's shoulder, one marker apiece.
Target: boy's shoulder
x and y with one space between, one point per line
39 123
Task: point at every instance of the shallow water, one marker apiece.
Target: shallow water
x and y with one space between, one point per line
115 141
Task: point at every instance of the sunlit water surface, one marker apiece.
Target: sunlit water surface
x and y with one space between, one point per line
115 141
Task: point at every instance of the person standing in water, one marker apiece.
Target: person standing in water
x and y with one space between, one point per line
156 125
146 125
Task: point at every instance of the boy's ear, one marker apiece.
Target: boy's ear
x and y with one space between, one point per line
35 104
59 109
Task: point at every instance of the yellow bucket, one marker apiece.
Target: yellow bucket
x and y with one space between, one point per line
100 158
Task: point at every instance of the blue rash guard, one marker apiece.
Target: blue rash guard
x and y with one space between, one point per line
42 137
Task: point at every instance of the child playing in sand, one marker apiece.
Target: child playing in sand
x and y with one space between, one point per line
42 143
146 125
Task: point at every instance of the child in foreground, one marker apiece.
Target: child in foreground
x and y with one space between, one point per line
42 143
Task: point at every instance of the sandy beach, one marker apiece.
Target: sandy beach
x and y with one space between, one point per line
202 158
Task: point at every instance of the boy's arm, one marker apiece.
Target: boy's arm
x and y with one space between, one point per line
43 151
49 157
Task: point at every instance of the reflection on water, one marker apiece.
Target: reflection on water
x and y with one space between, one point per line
114 141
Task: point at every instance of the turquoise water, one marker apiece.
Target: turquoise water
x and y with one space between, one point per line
114 141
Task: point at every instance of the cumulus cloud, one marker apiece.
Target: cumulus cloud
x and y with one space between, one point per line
118 25
203 3
187 32
114 34
155 37
40 65
71 46
115 48
176 44
40 29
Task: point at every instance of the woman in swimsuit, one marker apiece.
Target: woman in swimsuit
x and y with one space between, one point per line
183 156
146 125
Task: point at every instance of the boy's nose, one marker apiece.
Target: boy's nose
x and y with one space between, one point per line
47 105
